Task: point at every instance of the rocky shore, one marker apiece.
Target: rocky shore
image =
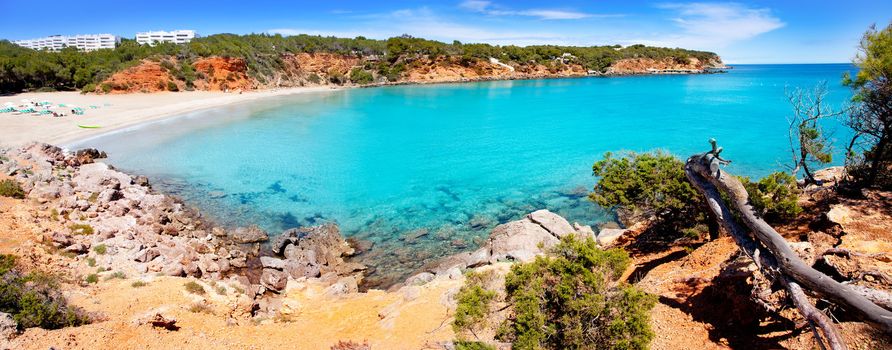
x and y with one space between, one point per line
119 223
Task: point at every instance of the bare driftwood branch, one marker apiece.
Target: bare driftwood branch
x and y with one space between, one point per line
790 265
765 261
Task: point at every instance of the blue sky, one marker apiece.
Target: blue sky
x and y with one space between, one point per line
741 32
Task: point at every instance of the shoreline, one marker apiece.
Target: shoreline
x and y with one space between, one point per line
123 111
138 109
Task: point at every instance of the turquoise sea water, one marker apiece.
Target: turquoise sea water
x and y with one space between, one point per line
425 171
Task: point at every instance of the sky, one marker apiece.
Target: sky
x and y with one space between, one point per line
741 32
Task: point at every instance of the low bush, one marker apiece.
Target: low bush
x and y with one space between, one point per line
34 299
138 284
100 249
775 197
647 185
10 188
92 278
194 288
472 345
116 274
474 302
361 77
573 300
171 86
81 229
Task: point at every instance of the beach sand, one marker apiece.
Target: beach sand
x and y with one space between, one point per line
114 112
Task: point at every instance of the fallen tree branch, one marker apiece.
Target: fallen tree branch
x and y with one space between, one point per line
766 262
706 166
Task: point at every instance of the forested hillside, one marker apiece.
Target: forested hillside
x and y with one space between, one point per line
266 60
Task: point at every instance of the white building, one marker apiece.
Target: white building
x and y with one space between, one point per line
176 36
86 42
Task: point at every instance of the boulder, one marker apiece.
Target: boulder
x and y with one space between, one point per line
8 327
274 280
272 263
551 222
420 279
608 236
519 240
343 286
146 255
252 234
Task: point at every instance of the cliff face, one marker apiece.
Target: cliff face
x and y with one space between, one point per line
313 69
148 76
222 73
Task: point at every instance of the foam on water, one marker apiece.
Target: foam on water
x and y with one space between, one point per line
445 163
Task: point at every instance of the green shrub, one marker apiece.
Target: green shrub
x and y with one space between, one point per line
171 86
775 197
116 274
472 345
100 249
106 87
200 308
474 303
194 288
221 290
647 185
92 278
7 263
313 78
360 76
81 229
572 300
138 284
91 87
10 188
91 262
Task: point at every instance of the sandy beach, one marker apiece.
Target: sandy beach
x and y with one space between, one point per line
114 112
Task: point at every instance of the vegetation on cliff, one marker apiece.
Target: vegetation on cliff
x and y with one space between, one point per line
33 299
266 58
653 185
573 300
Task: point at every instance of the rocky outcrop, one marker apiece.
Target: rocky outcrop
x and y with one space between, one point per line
119 222
222 73
520 240
148 76
310 252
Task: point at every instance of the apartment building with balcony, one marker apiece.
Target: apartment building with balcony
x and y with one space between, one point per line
83 42
160 36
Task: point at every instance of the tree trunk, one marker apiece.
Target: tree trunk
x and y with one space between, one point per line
788 263
877 160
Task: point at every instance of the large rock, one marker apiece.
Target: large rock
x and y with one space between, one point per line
311 250
551 222
274 280
608 236
251 234
8 326
519 240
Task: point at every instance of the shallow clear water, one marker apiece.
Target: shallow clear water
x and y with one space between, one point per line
454 160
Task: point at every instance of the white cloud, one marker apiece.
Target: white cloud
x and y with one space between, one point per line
425 23
488 8
710 25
